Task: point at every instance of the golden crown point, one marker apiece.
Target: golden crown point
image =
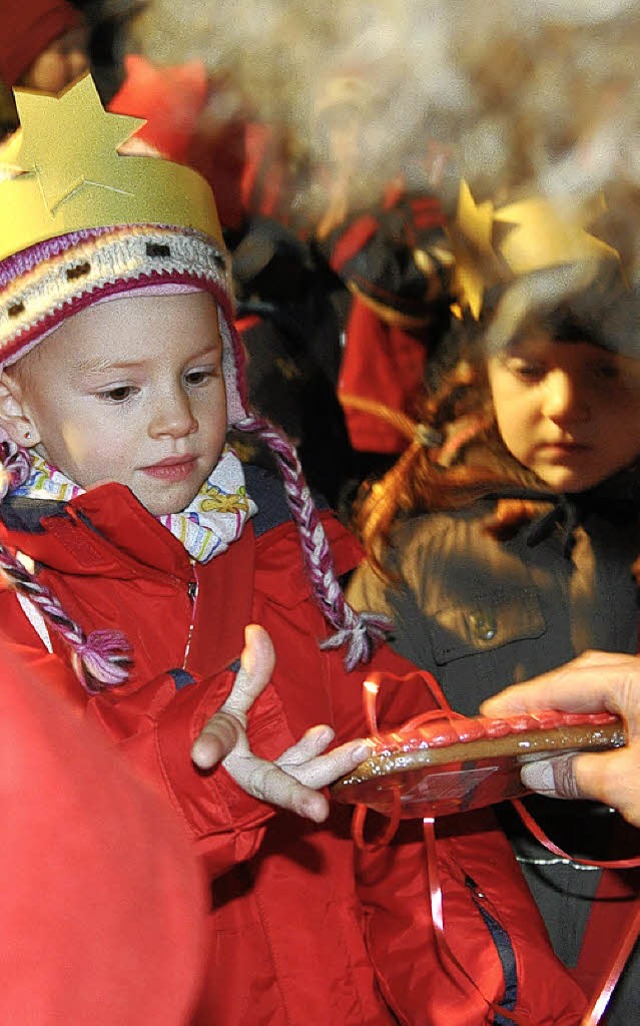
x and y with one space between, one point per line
534 235
74 178
543 236
470 235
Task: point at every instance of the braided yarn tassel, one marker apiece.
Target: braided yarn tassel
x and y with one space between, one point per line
360 632
100 658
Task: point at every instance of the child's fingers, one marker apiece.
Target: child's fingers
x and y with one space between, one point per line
257 663
267 782
314 742
226 727
258 656
216 740
323 770
294 785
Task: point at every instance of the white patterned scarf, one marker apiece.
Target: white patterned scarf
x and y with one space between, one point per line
206 528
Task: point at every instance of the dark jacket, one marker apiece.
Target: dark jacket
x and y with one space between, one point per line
481 613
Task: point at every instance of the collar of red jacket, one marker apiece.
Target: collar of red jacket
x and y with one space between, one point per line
105 531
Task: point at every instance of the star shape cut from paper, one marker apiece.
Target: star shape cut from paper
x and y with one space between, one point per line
542 235
69 141
471 241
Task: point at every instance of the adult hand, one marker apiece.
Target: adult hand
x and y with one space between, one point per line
593 682
292 780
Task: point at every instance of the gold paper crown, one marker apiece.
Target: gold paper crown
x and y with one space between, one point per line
73 177
539 238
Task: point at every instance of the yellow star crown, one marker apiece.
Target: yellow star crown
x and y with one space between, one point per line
533 236
73 177
475 262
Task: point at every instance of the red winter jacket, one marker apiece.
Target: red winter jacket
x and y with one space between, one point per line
303 927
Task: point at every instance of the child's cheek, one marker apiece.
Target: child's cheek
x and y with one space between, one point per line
77 442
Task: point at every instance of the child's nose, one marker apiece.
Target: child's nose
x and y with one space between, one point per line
173 417
564 400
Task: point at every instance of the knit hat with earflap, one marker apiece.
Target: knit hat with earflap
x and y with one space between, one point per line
77 228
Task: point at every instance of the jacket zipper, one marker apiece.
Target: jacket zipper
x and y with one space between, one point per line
192 591
504 949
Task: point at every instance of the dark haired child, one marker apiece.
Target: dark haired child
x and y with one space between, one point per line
503 544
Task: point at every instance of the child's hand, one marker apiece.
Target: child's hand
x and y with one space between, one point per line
292 780
220 735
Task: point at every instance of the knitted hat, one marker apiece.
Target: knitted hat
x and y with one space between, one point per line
83 224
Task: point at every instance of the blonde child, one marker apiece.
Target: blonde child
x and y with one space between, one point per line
126 515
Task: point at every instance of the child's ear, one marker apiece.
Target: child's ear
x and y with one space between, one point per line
13 417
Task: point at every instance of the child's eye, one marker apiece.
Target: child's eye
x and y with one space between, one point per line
120 394
199 376
527 370
609 371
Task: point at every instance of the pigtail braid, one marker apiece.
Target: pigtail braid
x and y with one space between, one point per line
360 632
99 658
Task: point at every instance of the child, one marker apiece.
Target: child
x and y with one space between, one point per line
514 540
125 513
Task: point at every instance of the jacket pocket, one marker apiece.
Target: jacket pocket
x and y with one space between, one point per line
486 623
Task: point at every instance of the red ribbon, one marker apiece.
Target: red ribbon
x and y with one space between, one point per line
611 974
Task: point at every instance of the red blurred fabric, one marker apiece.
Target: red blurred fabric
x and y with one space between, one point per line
381 362
27 30
102 902
169 97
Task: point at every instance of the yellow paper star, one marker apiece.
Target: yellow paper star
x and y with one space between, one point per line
70 140
75 178
475 258
544 236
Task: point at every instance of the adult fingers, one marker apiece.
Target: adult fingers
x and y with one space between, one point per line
590 683
609 777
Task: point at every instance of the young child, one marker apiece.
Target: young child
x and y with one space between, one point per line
509 549
125 514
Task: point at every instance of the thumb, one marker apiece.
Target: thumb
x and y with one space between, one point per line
222 732
555 778
608 777
256 667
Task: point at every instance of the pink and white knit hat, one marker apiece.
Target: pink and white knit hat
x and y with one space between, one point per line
45 284
61 273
